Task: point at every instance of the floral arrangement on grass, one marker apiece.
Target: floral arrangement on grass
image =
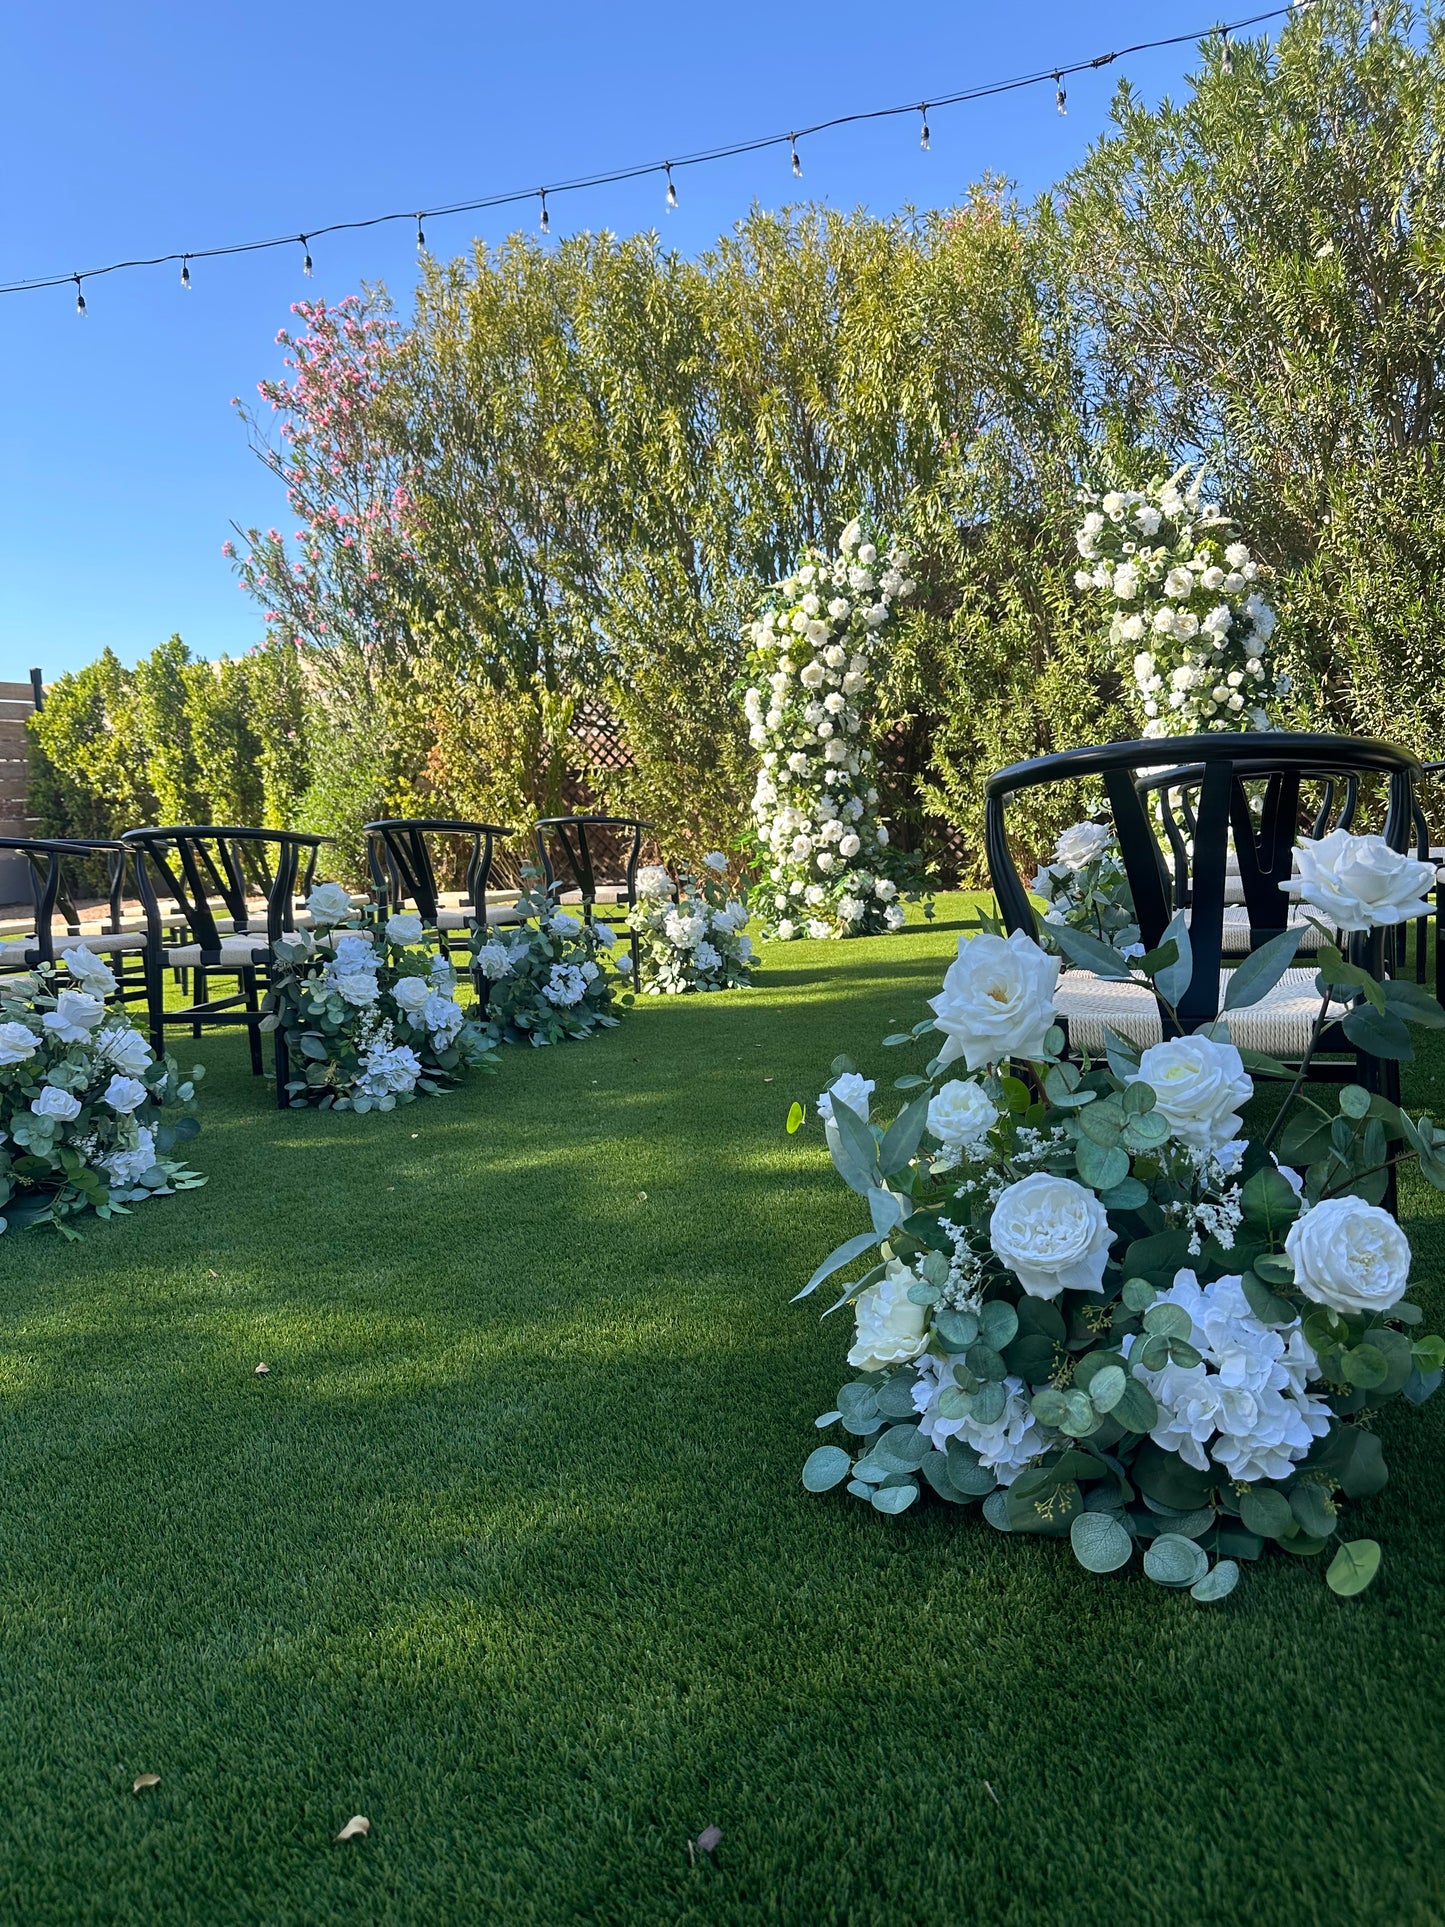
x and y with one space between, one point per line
814 645
1185 606
693 933
1085 887
550 979
1097 1305
90 1118
369 1014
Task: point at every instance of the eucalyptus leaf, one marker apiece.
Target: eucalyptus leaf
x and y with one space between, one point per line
1173 1560
893 1499
1218 1583
1101 1541
1262 969
825 1468
1353 1567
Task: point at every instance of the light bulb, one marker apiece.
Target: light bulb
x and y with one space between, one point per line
186 272
923 136
1061 99
545 223
79 298
306 260
671 190
797 164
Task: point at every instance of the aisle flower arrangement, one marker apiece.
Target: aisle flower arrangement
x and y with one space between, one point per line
370 1016
1098 1307
553 978
1186 611
90 1118
693 934
1084 885
815 643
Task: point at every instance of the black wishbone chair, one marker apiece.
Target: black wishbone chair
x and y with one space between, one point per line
182 871
51 863
1429 850
575 836
1280 1023
398 855
1249 906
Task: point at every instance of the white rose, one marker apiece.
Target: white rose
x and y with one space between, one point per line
876 615
961 1113
1131 628
1053 1234
653 881
17 1044
405 927
329 903
92 973
996 1001
1359 882
123 1047
867 555
411 993
786 931
892 1330
1081 844
1236 555
1199 1085
715 860
1349 1255
1179 583
125 1094
53 1102
358 987
563 925
75 1016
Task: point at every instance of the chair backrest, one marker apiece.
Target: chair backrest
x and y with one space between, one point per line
399 858
575 835
1173 792
195 863
51 863
1220 766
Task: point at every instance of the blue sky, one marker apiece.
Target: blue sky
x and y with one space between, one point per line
162 126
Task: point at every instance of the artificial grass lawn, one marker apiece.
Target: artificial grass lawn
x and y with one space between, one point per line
509 1551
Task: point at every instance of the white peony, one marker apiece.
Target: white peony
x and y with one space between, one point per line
961 1114
75 1016
891 1329
1359 882
404 927
125 1094
92 973
1199 1085
411 993
56 1103
17 1044
329 903
996 1001
1349 1255
1052 1233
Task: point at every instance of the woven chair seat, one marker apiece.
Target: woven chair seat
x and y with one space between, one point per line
236 953
613 893
497 913
1234 938
1278 1024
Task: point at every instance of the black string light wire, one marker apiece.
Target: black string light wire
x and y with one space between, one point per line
731 150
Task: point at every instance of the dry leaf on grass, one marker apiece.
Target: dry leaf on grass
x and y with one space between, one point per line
356 1828
706 1842
143 1780
263 1370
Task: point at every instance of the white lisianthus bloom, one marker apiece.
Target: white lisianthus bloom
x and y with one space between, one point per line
18 1043
410 993
891 1329
851 1089
624 964
996 1001
798 763
814 895
1113 504
1199 1085
56 1103
605 935
1212 577
961 1114
125 1094
811 605
1052 1233
1126 582
92 973
329 903
1081 844
1359 882
653 881
1349 1255
826 862
404 927
835 703
75 1016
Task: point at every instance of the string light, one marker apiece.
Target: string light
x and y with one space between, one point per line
420 236
546 223
186 274
1226 52
79 298
797 164
989 90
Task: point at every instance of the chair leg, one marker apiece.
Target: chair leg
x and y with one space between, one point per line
154 978
253 1012
283 1068
202 992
